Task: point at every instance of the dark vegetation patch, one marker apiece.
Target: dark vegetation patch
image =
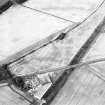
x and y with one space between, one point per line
20 1
5 6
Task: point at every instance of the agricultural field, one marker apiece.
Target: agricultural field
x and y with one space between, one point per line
25 27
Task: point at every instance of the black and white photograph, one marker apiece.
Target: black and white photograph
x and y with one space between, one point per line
52 52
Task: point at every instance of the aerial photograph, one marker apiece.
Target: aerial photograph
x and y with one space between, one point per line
52 52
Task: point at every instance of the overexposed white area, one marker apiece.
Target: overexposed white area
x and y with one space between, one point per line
20 27
74 10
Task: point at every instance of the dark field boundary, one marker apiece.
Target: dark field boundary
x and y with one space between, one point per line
5 6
